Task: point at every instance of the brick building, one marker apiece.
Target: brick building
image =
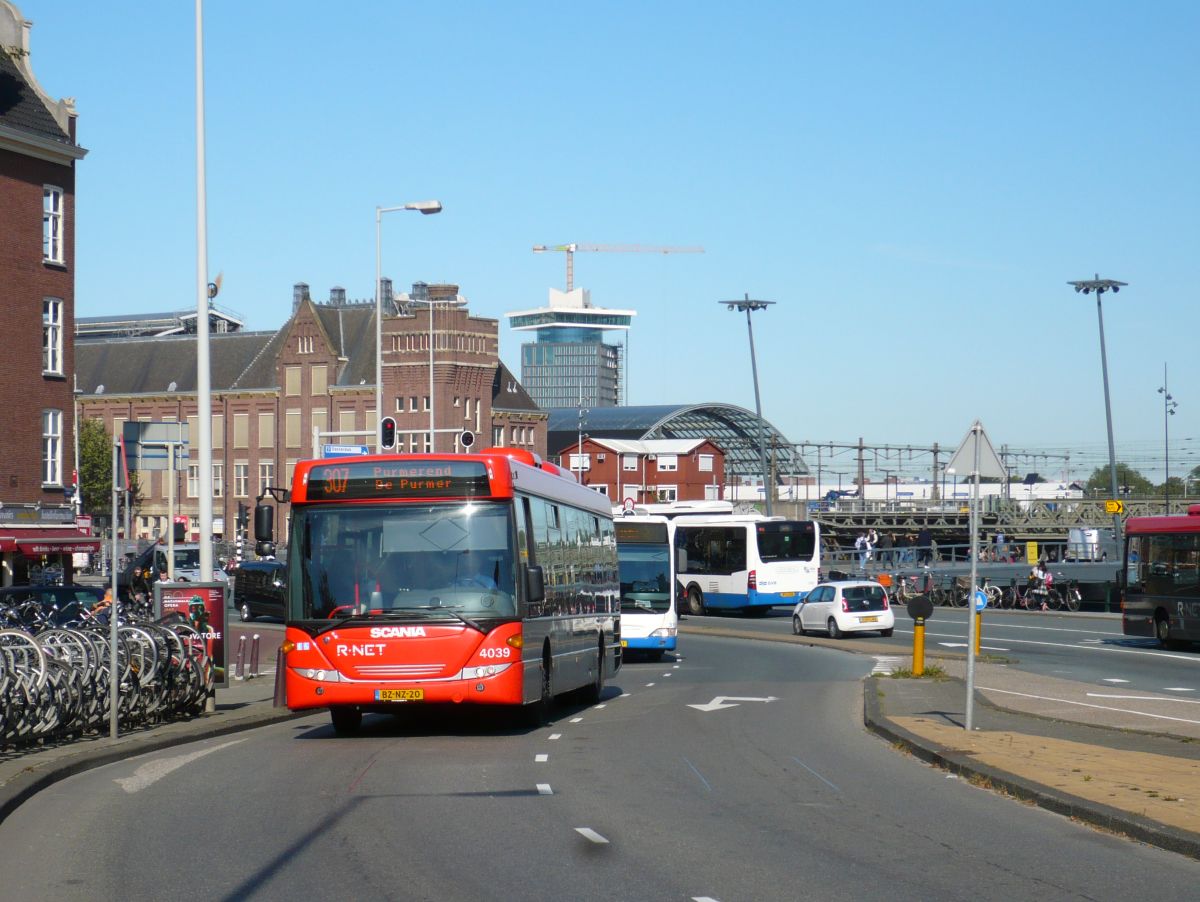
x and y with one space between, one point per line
655 470
279 396
38 154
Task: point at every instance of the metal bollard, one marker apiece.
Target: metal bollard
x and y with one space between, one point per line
254 656
240 672
280 680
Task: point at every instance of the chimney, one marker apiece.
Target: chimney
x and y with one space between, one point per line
299 295
337 296
386 298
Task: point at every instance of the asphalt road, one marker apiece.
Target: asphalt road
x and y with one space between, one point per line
641 797
1079 647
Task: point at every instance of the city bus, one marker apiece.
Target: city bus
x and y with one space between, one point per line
1162 577
486 579
649 602
746 562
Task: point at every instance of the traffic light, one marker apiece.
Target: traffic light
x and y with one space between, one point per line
180 531
387 433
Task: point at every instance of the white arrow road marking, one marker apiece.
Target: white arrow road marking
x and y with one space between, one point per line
721 701
964 645
885 664
153 771
589 833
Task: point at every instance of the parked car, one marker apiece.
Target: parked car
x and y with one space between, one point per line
839 608
260 589
64 601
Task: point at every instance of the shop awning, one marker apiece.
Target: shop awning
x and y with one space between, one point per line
36 542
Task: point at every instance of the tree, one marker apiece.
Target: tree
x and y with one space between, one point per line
95 470
1129 481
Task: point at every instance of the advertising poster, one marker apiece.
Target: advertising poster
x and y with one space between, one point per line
203 606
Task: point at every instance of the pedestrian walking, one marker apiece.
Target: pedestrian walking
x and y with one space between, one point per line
886 544
924 551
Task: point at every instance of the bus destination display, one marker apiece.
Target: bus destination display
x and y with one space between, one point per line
411 479
641 533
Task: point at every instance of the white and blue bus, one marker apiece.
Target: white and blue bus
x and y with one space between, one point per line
649 600
747 563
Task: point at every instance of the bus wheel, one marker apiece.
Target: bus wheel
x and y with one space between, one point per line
1162 630
695 600
346 719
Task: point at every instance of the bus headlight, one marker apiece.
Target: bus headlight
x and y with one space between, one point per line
483 671
316 673
664 633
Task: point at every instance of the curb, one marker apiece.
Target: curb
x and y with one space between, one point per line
1152 833
33 780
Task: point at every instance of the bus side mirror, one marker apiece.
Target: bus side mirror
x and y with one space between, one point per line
680 561
264 523
535 584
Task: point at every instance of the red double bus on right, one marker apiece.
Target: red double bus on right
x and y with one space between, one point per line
1162 578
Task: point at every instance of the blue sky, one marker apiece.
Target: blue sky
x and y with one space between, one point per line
912 184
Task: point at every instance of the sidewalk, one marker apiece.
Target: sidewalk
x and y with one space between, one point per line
244 705
1124 765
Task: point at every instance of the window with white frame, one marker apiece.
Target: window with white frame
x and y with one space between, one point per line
241 480
52 336
51 447
218 480
305 344
52 225
704 462
266 475
629 463
667 493
668 463
193 481
579 462
602 488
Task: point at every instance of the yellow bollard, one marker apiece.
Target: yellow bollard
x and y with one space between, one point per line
978 630
918 666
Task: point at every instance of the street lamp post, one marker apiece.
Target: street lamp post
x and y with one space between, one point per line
1169 405
749 306
425 207
1099 286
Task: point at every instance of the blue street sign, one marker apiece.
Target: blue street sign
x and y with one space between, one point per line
980 599
345 450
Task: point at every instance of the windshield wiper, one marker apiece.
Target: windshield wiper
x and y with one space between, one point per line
453 613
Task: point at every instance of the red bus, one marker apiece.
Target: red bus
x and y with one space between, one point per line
1162 577
486 578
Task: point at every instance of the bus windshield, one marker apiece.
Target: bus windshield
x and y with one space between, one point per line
398 560
645 578
784 540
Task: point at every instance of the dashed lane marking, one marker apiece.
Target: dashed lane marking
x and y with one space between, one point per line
1178 689
554 736
589 833
542 758
576 720
544 789
1113 680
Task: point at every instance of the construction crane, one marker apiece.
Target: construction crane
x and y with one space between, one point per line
570 249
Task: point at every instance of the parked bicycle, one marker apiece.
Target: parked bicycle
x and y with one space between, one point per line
914 585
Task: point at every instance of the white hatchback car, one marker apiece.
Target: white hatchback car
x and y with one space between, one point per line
845 607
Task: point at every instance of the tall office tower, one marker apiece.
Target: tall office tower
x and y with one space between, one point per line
569 361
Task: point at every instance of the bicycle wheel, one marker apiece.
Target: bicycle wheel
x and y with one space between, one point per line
995 596
1072 599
